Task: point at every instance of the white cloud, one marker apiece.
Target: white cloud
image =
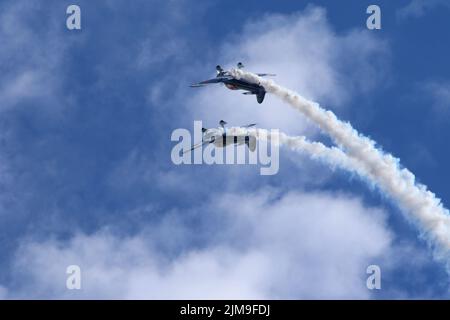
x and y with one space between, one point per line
259 245
417 8
439 91
168 49
307 56
26 84
34 58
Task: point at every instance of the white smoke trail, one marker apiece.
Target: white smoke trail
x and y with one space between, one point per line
383 169
333 156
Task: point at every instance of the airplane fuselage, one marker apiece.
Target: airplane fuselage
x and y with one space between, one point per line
220 138
250 88
232 83
235 84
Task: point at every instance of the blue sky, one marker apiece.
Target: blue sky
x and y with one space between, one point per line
86 176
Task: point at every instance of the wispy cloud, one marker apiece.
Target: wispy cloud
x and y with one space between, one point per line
418 8
31 53
439 92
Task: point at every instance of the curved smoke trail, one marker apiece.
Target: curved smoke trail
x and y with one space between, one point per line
381 168
333 156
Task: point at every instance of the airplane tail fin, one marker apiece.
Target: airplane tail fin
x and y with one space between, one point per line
260 96
219 70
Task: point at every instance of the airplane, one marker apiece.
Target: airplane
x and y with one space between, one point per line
232 83
221 137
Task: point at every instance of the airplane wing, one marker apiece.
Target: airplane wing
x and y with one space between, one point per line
249 125
266 74
214 80
195 146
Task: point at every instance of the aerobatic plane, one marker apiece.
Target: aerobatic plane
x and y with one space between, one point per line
232 83
221 137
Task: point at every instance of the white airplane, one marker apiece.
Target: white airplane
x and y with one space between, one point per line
221 137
